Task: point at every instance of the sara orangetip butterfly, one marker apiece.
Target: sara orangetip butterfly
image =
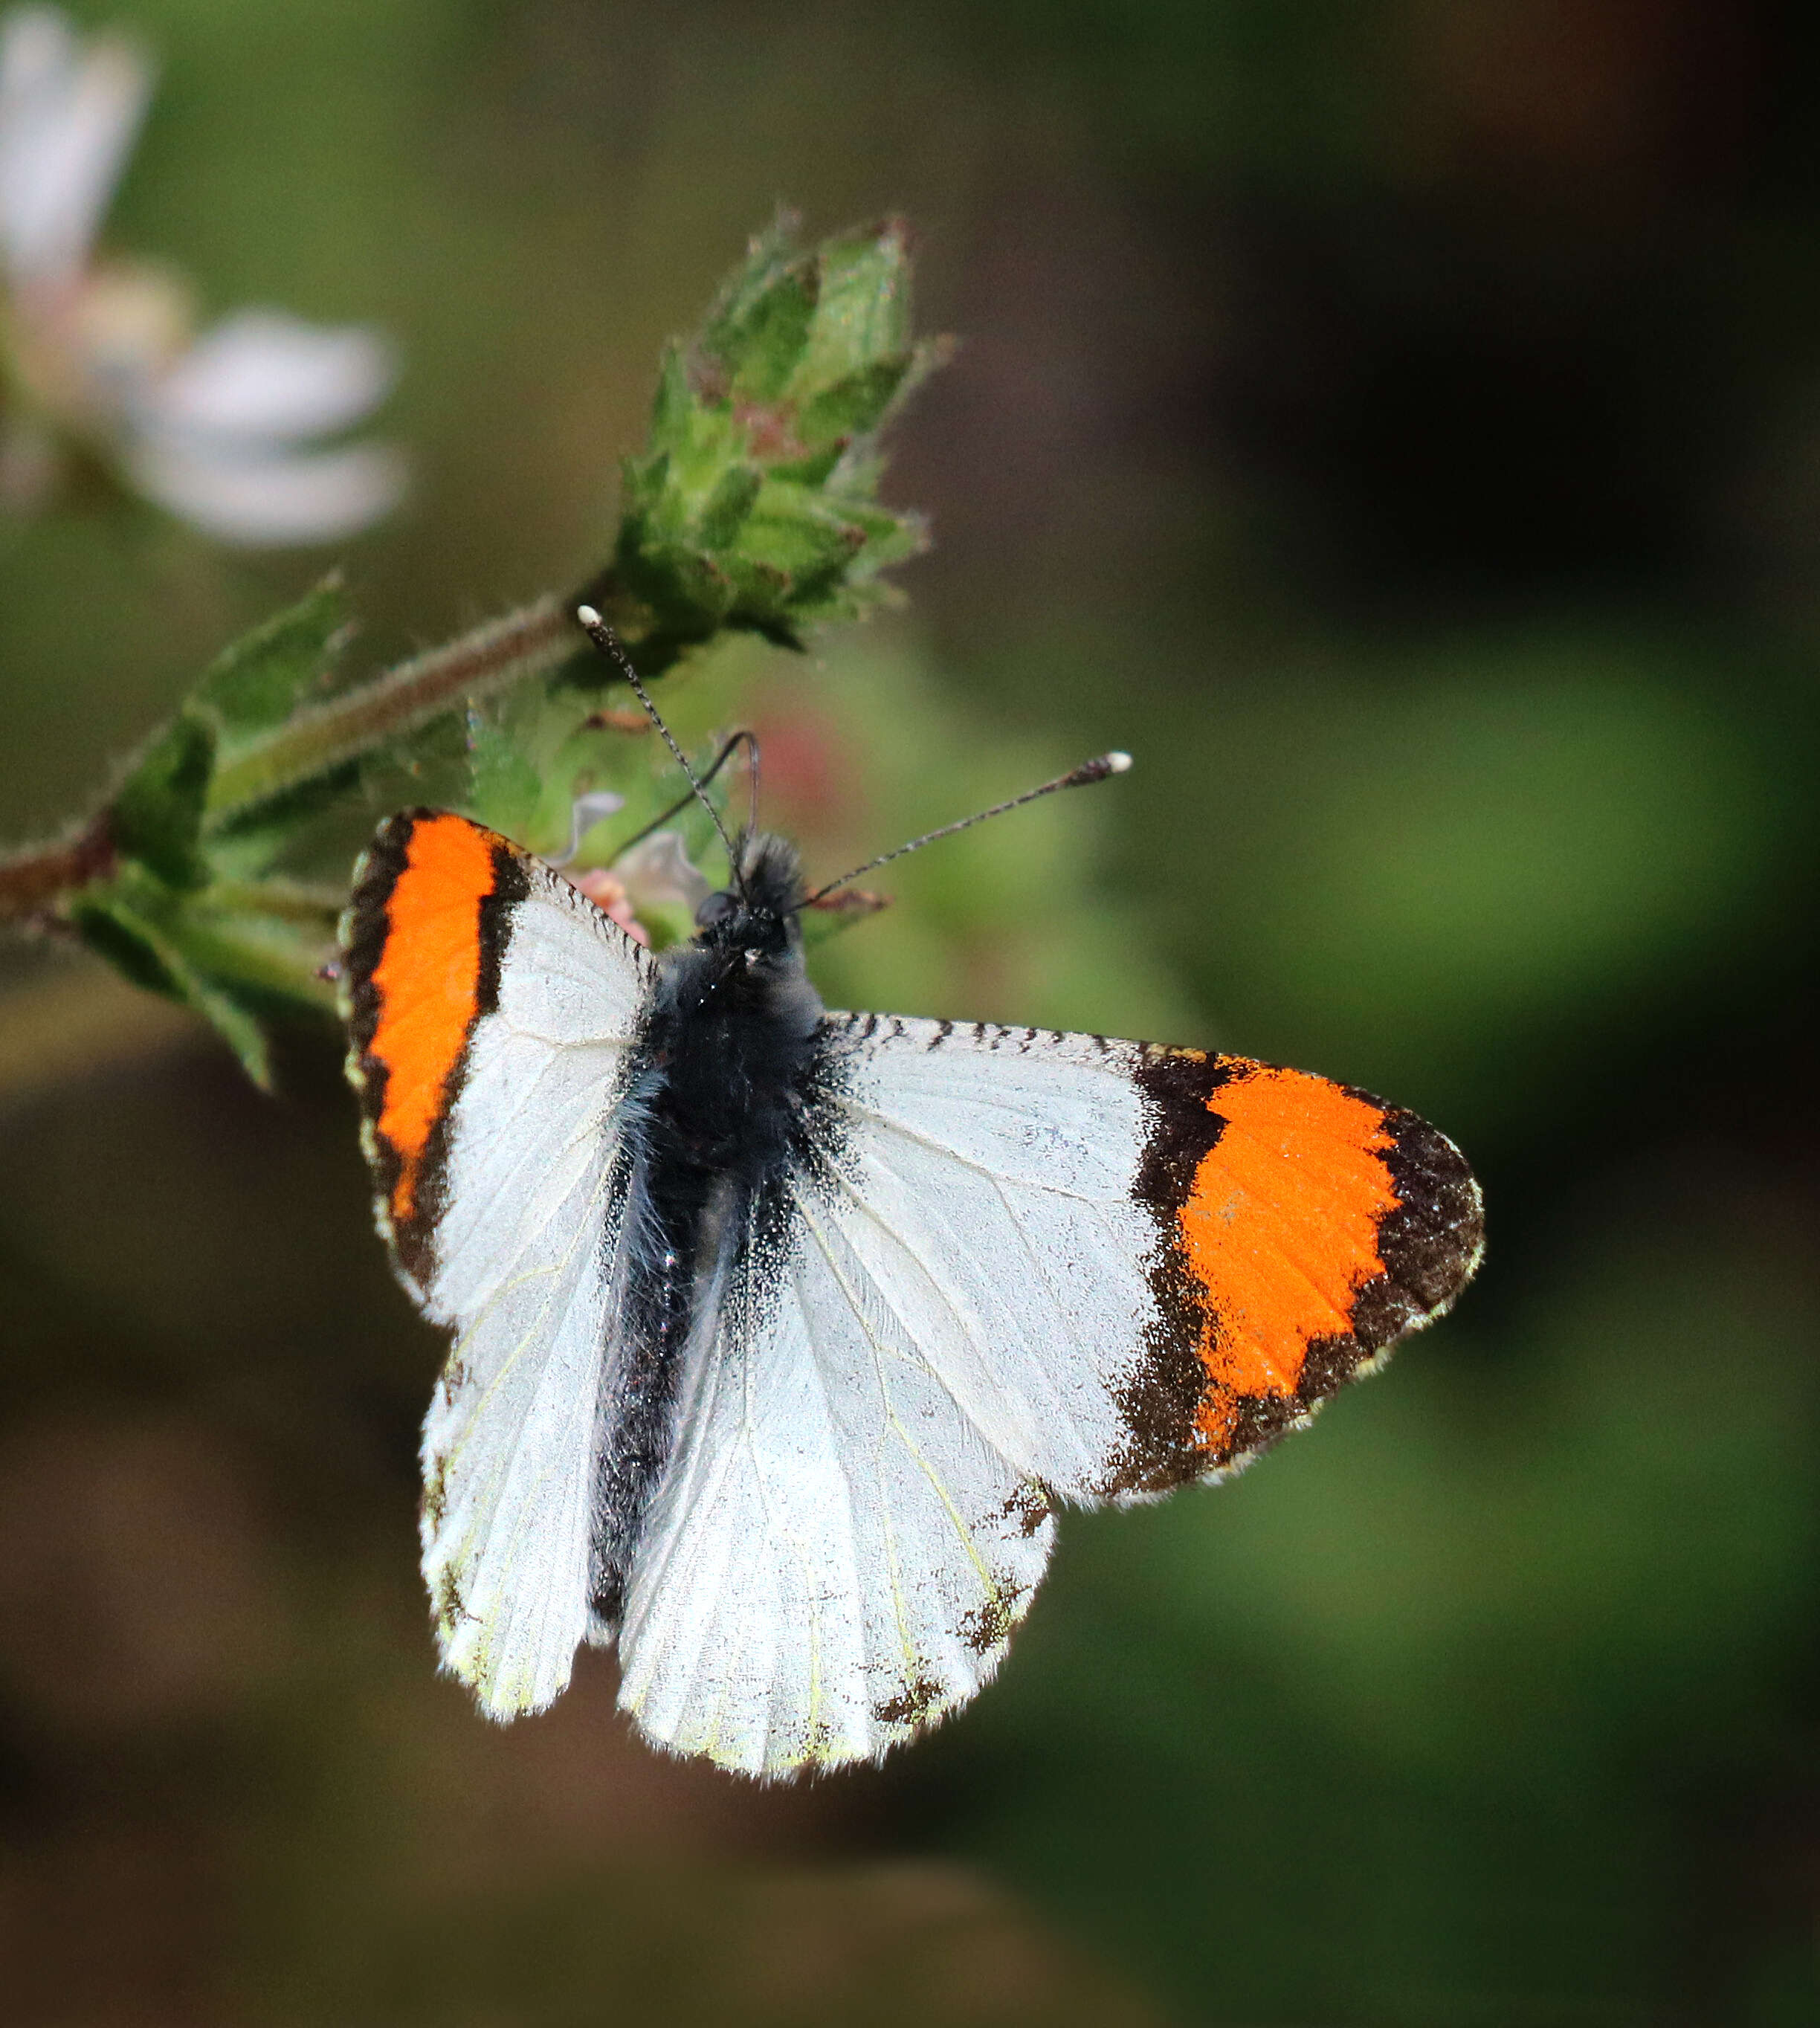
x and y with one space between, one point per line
780 1335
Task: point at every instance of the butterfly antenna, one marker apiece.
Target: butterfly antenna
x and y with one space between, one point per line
1096 770
607 642
742 738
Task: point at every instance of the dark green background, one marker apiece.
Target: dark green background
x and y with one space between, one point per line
1399 424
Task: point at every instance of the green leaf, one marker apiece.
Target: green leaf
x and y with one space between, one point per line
257 683
767 255
854 405
504 785
728 506
889 538
114 926
266 955
238 1026
764 350
670 409
862 314
157 811
246 840
794 531
112 929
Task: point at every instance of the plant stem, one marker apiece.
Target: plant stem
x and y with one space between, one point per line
526 643
531 642
31 880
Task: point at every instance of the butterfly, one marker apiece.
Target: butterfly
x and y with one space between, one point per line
779 1335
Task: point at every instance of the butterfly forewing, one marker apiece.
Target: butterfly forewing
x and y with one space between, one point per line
490 998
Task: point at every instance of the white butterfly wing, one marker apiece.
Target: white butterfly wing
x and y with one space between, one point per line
836 1553
989 1186
517 1239
912 1351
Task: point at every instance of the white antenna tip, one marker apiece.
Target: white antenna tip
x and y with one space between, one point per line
587 615
1096 770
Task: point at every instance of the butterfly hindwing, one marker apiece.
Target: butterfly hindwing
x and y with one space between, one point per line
837 1552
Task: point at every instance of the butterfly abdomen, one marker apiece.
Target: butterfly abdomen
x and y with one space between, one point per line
728 1054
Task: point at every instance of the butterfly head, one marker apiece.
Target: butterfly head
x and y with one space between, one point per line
761 915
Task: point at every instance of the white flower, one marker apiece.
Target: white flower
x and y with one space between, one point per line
103 353
67 118
218 433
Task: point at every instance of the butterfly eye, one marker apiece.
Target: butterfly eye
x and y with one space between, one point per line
715 908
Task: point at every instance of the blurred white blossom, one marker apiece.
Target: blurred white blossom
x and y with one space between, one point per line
102 357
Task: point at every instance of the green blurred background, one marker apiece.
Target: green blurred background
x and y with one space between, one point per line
1398 423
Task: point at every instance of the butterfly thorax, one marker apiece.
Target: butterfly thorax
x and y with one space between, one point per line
733 1026
730 1052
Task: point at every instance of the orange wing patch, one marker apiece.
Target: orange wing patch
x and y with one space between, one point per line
427 984
1303 1227
1280 1228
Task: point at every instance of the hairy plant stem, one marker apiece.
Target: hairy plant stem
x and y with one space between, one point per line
532 642
529 642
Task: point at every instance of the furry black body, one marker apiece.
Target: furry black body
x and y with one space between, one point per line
717 1088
